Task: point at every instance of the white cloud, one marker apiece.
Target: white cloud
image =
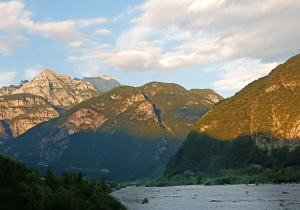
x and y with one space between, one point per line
250 35
13 16
6 78
12 42
15 22
75 44
146 59
60 31
238 73
203 31
103 32
32 72
88 22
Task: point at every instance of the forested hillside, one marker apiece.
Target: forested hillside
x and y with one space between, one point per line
23 188
258 126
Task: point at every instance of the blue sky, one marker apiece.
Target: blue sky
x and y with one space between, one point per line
217 44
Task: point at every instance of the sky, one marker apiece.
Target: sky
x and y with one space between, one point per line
218 44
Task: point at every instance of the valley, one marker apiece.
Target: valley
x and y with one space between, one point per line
149 104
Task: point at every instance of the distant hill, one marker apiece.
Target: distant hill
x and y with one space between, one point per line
103 83
260 119
127 133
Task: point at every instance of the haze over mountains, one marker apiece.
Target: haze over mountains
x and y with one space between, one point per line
103 83
124 134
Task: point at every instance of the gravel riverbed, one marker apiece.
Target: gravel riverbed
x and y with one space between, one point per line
283 196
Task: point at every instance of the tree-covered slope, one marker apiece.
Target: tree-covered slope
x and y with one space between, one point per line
259 125
124 134
269 105
22 187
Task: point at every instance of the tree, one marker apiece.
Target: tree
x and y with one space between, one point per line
103 186
50 179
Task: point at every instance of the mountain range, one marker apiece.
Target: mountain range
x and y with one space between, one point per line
126 133
252 127
45 97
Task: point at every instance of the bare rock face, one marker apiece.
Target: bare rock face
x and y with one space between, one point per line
59 90
209 97
84 119
7 90
24 111
144 112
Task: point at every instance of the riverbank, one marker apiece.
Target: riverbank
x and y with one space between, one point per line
282 196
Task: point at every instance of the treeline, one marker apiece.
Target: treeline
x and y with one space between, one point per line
202 153
22 187
248 175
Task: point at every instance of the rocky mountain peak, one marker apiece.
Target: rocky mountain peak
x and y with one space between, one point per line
22 83
60 90
47 71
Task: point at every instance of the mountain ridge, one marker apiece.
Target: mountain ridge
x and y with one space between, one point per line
258 126
276 96
140 127
59 90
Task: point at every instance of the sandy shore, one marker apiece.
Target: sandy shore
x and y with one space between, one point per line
285 196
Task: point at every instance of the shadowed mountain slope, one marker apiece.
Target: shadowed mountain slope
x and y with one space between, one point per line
124 134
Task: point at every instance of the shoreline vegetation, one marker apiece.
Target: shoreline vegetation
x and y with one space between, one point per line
215 162
24 188
249 175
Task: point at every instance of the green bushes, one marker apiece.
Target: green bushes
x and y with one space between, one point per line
232 162
248 175
201 152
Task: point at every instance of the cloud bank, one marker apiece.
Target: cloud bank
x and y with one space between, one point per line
16 23
249 38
